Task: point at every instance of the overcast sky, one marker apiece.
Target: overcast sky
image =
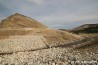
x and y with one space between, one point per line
53 13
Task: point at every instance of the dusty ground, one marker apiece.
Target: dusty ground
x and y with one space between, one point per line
51 56
46 47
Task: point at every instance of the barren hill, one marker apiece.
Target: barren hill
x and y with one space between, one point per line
24 31
20 21
86 28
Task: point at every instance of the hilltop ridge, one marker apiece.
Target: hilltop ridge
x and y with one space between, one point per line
20 21
86 28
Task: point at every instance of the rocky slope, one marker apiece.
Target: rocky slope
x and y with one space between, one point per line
61 55
33 39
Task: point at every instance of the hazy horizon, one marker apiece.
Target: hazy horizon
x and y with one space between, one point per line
62 14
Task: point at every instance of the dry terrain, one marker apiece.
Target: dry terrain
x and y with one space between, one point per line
24 41
46 47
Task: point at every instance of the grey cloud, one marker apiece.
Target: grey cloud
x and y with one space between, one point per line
38 2
54 13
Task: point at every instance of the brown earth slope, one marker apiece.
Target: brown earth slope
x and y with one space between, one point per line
20 21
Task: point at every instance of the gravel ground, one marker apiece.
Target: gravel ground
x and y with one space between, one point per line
23 52
51 56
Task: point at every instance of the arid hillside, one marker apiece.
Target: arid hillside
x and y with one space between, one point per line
24 41
37 37
20 21
23 31
86 28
